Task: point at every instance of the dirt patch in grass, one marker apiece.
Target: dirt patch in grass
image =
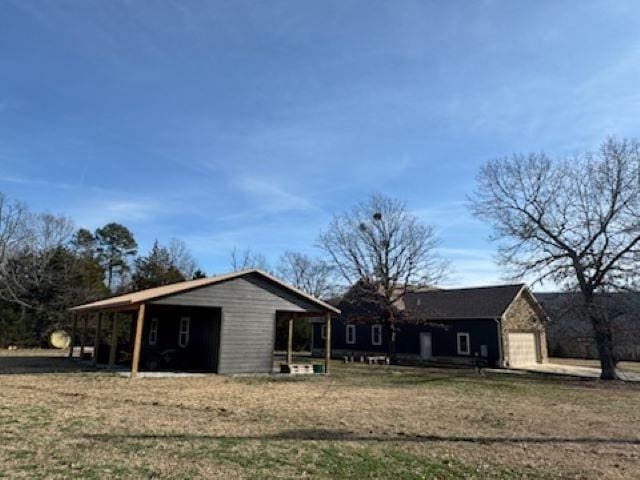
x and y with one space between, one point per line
361 422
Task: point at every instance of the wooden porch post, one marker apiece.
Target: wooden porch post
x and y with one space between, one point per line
290 341
327 346
96 340
114 340
74 330
83 335
135 361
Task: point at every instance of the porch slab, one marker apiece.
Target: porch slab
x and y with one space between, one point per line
164 374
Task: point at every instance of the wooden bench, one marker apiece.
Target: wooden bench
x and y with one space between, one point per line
379 359
370 359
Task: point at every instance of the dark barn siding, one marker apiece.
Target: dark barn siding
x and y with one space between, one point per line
249 305
443 340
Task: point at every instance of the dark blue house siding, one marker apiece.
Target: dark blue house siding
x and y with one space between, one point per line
443 339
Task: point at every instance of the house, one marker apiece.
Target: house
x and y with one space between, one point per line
222 324
500 325
570 332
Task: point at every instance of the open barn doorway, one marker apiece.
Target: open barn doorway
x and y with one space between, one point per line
174 338
181 338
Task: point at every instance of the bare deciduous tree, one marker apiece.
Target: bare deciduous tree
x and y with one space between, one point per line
384 249
182 258
574 222
246 259
12 227
311 276
13 234
34 239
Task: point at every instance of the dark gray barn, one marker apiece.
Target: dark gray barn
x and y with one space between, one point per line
222 324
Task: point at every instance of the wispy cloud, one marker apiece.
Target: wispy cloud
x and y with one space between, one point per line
36 182
131 209
476 267
271 197
471 266
94 213
449 215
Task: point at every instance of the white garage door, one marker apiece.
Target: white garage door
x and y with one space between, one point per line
522 349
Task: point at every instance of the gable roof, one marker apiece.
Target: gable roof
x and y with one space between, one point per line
141 296
460 303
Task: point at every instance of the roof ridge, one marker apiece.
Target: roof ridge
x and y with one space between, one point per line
481 287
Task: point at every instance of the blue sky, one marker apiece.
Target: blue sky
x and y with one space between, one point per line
247 124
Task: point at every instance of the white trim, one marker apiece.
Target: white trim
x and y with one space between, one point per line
153 331
350 334
378 329
323 331
468 337
183 331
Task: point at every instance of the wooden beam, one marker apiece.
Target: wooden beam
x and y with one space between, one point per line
114 340
290 341
327 346
137 344
83 336
128 307
96 340
74 330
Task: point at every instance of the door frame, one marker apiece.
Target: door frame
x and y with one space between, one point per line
423 335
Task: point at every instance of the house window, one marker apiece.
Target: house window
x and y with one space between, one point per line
464 344
153 331
351 333
323 332
183 334
376 335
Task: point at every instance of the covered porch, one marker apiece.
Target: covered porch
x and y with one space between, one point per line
284 356
152 338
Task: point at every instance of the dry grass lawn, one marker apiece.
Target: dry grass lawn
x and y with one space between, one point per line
361 422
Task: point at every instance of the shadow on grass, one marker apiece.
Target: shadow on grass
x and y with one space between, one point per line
348 436
39 364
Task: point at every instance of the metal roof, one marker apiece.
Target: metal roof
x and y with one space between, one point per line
130 300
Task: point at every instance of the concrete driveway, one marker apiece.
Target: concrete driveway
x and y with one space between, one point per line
569 370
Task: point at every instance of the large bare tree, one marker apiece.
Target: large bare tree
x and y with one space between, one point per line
383 249
574 222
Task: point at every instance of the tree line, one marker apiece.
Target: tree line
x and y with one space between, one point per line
574 222
46 266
